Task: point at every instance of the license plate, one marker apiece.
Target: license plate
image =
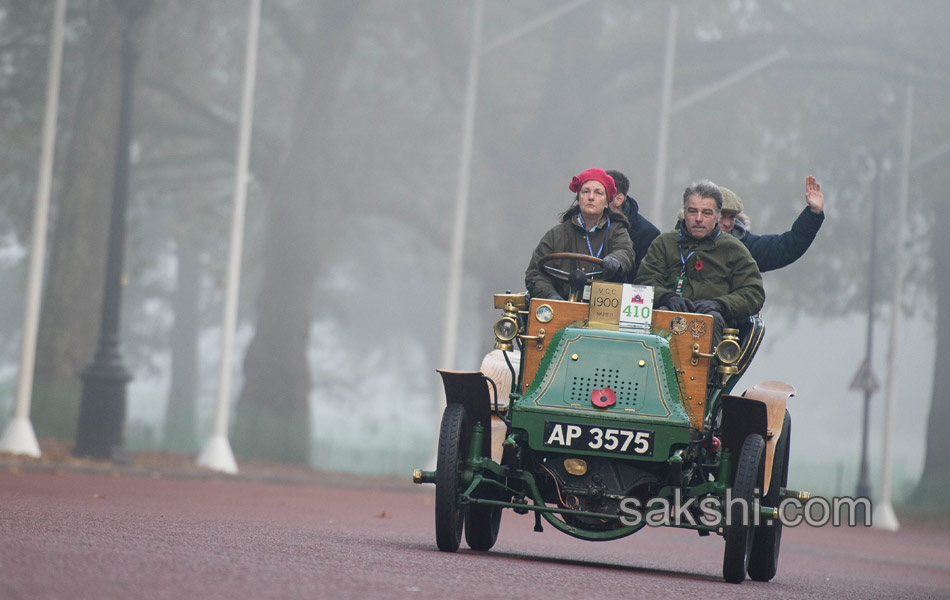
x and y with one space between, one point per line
575 436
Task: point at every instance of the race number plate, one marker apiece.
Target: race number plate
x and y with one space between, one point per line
636 442
614 305
636 306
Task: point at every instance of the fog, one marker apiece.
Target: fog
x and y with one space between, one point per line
358 164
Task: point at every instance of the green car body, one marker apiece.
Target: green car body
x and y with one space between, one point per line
602 434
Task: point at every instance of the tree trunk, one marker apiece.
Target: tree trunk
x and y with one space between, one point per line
933 491
272 419
69 320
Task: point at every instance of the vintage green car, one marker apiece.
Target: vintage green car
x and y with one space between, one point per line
611 417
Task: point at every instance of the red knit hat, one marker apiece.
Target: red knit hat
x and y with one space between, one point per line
595 175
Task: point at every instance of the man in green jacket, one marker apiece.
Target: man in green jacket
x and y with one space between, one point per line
700 269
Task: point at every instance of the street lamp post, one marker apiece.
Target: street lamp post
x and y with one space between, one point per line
454 287
100 432
865 379
668 108
20 437
884 517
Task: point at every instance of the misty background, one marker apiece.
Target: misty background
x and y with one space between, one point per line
354 179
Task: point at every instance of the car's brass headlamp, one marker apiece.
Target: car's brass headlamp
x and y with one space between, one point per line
506 328
727 353
728 349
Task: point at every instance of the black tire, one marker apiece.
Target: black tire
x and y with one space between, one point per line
737 532
481 526
763 562
453 445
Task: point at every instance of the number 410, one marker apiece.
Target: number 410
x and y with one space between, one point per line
636 311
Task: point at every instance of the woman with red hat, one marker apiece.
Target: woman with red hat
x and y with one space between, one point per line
588 227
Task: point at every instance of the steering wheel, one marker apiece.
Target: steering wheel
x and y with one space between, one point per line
560 275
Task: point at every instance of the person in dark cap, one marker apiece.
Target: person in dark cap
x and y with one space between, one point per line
642 231
588 227
774 251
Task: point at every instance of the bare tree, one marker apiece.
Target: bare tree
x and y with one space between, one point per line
72 302
272 416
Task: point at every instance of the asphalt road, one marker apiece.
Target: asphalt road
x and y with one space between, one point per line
74 536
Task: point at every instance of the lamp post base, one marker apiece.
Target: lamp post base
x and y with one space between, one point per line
101 430
884 517
20 438
217 456
863 491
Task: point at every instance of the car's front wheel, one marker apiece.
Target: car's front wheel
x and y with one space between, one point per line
453 444
481 526
763 561
738 531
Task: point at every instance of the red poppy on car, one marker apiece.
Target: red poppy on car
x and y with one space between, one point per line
603 398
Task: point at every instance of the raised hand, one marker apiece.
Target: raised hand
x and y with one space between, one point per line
813 195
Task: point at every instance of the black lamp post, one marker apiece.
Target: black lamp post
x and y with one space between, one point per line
101 429
866 381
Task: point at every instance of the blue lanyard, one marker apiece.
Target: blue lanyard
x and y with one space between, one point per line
691 253
688 256
590 249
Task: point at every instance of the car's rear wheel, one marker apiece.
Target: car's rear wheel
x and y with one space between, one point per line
763 561
453 444
481 526
738 531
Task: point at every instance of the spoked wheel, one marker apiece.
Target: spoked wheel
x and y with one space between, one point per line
738 533
481 526
763 561
453 445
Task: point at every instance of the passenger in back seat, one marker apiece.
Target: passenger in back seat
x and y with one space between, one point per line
774 251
